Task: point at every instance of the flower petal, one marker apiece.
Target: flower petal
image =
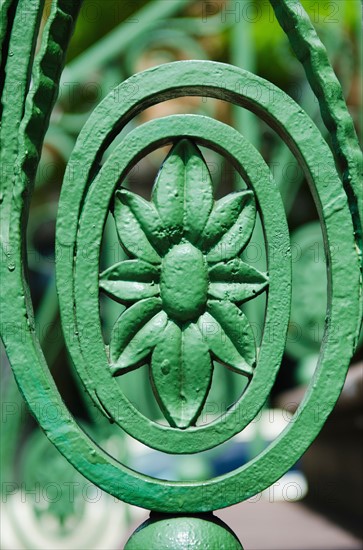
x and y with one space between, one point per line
236 281
181 373
224 214
229 336
149 219
130 280
131 230
135 333
183 192
230 226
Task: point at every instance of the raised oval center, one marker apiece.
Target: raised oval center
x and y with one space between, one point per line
184 282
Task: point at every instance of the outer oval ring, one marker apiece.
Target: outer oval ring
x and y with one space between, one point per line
253 169
38 387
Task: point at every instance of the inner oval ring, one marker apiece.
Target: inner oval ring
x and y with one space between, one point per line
249 163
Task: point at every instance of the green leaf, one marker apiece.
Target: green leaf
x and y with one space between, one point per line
236 281
230 226
183 192
181 374
130 280
229 336
131 230
135 333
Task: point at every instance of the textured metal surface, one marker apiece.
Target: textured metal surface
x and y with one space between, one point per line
15 87
284 115
186 248
89 353
91 190
183 533
345 146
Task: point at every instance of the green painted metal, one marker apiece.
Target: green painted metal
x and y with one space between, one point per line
345 147
16 84
182 234
308 309
270 465
100 384
184 533
183 275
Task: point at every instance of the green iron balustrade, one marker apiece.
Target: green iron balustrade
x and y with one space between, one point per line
184 274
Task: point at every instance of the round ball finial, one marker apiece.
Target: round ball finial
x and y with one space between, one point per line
165 532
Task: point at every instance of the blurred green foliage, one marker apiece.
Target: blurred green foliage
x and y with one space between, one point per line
99 17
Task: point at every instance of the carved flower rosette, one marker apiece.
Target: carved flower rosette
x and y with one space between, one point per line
182 284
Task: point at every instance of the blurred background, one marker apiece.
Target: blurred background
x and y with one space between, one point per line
318 504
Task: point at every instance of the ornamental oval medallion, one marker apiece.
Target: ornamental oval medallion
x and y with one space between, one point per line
184 286
185 280
183 283
184 274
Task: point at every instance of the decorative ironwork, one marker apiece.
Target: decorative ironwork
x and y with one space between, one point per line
90 202
184 268
185 280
